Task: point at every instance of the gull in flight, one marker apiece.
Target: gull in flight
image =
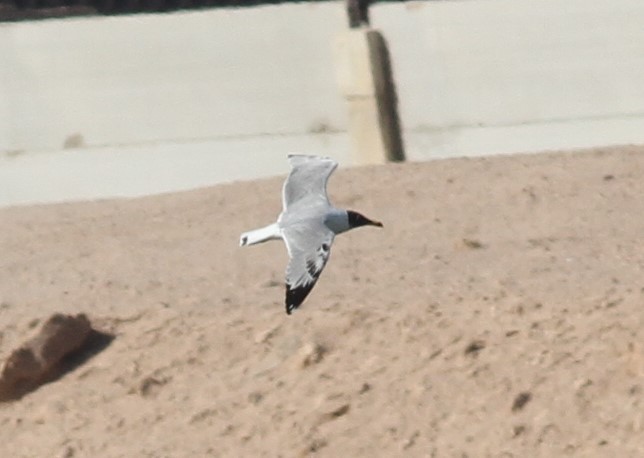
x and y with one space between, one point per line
308 224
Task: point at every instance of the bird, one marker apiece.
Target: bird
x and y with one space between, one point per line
307 224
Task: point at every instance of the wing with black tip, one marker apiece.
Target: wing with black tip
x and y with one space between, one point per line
309 252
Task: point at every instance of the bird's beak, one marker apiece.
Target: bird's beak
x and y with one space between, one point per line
376 223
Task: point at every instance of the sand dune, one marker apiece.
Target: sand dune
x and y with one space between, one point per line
499 313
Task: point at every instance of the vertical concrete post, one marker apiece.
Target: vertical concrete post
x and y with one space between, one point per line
365 79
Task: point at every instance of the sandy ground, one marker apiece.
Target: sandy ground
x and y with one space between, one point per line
499 313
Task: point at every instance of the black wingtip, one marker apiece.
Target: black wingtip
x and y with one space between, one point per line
295 296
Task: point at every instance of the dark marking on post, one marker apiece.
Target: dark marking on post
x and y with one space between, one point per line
358 12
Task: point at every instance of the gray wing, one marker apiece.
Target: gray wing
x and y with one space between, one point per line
309 251
308 179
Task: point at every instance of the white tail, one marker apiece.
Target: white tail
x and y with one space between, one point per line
270 232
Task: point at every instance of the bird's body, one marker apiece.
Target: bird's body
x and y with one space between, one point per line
308 224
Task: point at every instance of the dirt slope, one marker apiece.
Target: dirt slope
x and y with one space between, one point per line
499 313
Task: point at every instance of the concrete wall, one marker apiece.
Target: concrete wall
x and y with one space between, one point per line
121 106
172 77
97 107
498 76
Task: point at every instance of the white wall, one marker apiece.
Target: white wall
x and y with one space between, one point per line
97 107
499 76
168 77
123 106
